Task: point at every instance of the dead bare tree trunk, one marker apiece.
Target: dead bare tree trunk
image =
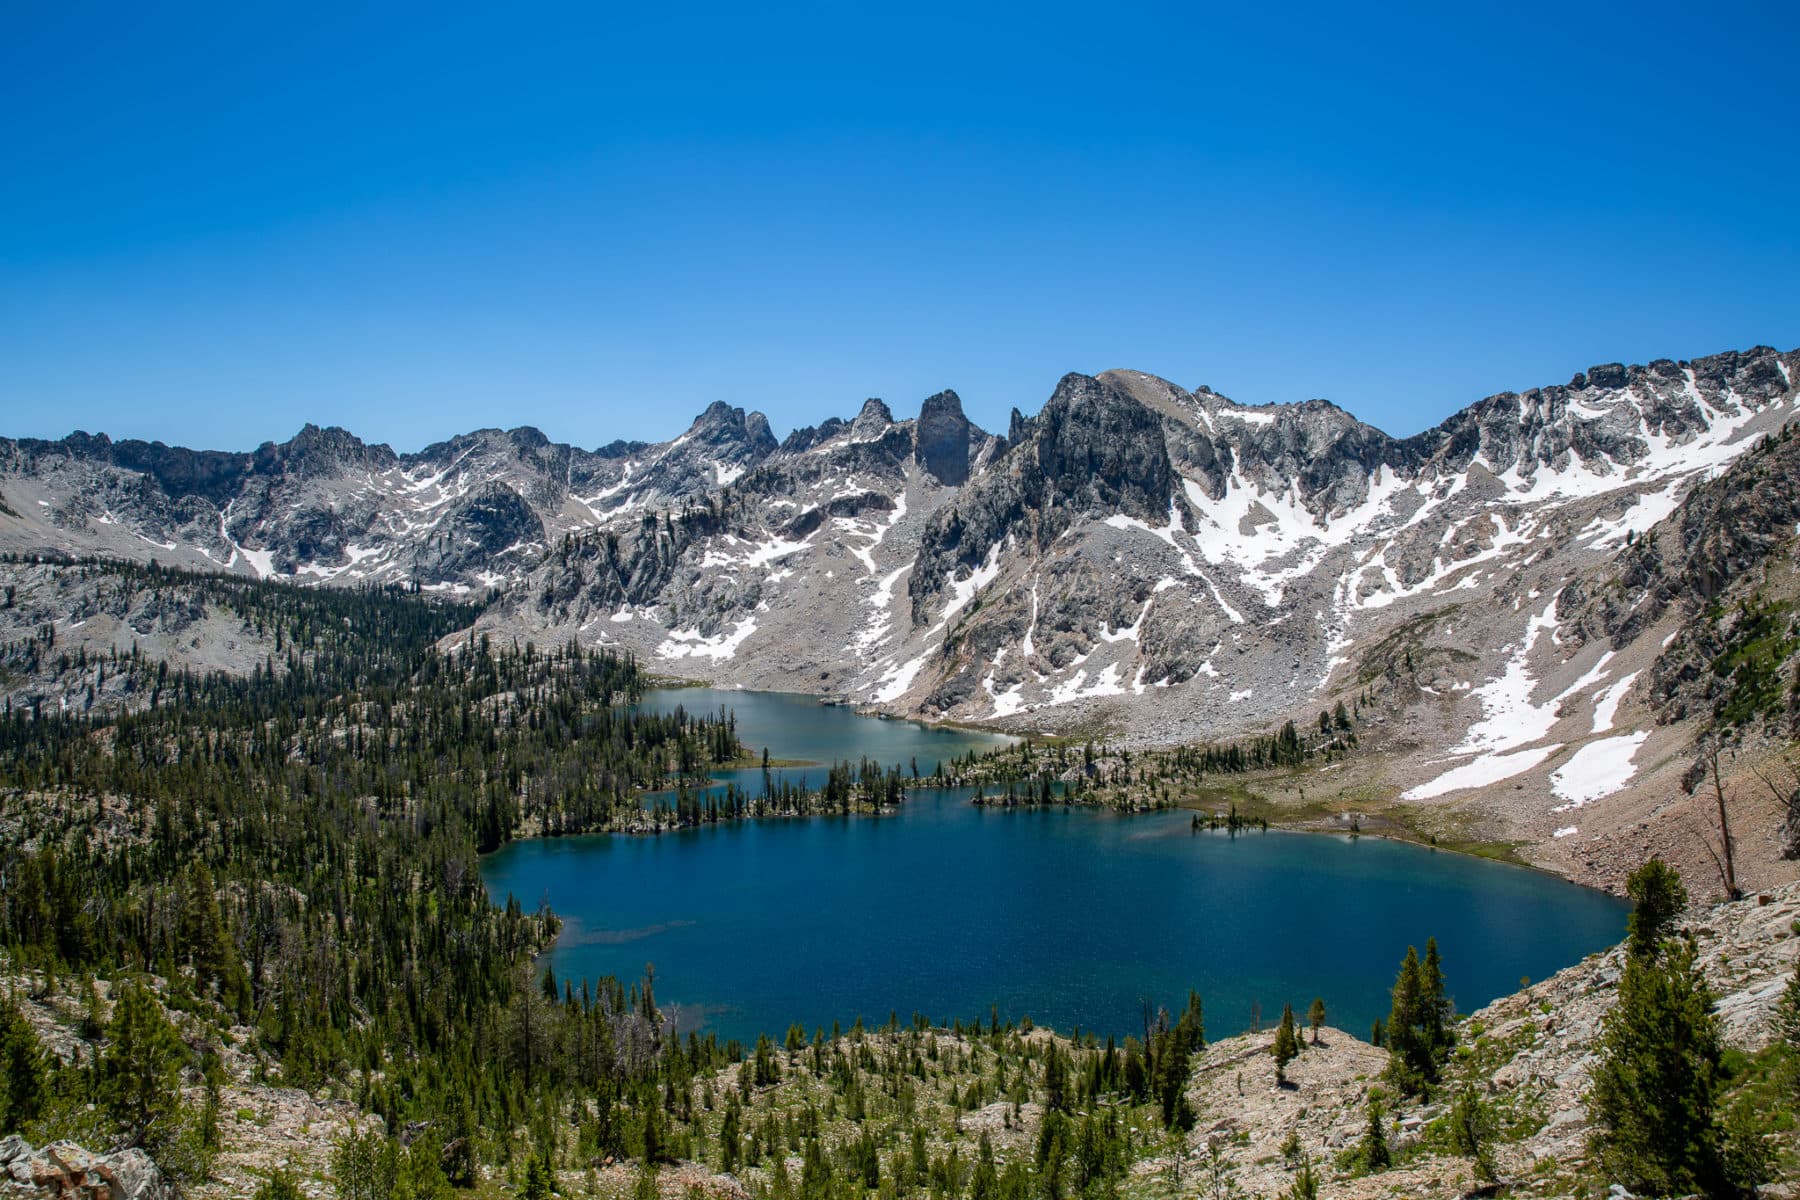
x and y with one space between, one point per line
1729 865
1787 801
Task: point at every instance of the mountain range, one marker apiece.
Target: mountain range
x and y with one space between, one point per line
1513 593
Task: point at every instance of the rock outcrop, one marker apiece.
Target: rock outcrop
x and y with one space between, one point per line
66 1171
1532 1053
942 438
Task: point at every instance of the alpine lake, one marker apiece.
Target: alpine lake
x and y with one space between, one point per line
1075 917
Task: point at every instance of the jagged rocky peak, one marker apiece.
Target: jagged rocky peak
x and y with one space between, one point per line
1017 426
524 443
1187 429
1092 452
1325 453
941 439
873 421
808 436
718 417
1320 450
528 437
626 447
724 427
1095 448
1153 392
315 452
1761 371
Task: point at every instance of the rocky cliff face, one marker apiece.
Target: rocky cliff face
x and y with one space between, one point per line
1091 453
1723 567
942 439
1264 550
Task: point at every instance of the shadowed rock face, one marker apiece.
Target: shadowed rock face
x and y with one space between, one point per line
481 530
1092 451
941 439
1096 450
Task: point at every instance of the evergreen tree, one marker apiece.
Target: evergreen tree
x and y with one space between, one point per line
767 1070
1134 1075
140 1071
421 1171
1408 1052
1471 1131
1656 1087
1373 1150
1418 1034
21 1071
458 1154
365 1166
1658 897
1315 1016
984 1183
540 1180
1056 1080
279 1186
1435 1014
203 937
1287 1043
730 1135
1192 1026
1171 1049
1306 1183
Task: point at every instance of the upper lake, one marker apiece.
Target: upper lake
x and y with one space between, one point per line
1071 916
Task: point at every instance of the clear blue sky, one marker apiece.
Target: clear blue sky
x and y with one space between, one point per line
218 222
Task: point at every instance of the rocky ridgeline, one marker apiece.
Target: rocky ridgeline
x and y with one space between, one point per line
1165 559
1160 562
1245 553
325 507
68 1172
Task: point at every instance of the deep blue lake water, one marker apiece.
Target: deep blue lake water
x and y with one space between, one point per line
1070 916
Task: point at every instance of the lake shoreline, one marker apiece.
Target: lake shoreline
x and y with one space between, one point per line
1063 912
1389 821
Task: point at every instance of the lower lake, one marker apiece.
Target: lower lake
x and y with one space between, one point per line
1075 917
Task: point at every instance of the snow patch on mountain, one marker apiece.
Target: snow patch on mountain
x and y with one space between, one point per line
1596 770
1481 772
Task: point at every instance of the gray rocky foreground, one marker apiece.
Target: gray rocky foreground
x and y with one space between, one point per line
65 1170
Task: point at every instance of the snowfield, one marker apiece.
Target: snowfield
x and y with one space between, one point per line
1596 770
